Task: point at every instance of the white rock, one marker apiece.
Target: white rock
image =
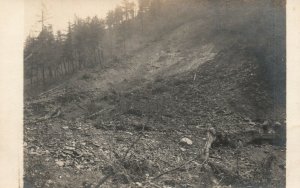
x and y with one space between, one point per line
265 123
79 166
60 163
69 148
186 141
138 184
277 123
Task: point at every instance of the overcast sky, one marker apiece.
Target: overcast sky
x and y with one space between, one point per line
59 12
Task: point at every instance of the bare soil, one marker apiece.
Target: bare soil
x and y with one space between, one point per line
122 125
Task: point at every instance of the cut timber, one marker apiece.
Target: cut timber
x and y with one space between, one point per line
210 136
272 139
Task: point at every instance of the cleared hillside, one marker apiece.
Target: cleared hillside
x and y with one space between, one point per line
217 77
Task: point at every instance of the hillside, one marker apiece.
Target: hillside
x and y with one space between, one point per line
148 119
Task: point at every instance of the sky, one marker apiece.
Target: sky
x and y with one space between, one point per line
60 12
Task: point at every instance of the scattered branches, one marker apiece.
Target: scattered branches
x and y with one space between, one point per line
119 163
178 167
211 133
132 145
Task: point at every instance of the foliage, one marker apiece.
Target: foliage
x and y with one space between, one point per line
53 56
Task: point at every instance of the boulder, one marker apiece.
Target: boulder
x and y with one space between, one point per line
186 141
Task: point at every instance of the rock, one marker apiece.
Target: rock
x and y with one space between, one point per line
96 144
186 141
129 133
182 149
32 152
252 123
68 152
212 131
138 184
271 131
200 126
60 163
277 123
69 148
65 127
265 123
79 166
49 183
74 143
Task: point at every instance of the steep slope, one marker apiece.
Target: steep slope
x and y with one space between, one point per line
124 125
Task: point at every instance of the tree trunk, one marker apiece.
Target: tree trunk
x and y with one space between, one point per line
80 62
31 75
44 77
101 57
60 69
37 75
111 44
73 66
55 73
50 72
124 46
65 67
96 56
70 66
142 22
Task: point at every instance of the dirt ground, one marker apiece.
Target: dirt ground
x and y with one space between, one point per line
144 122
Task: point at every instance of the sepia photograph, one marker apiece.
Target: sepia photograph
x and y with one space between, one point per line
154 93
